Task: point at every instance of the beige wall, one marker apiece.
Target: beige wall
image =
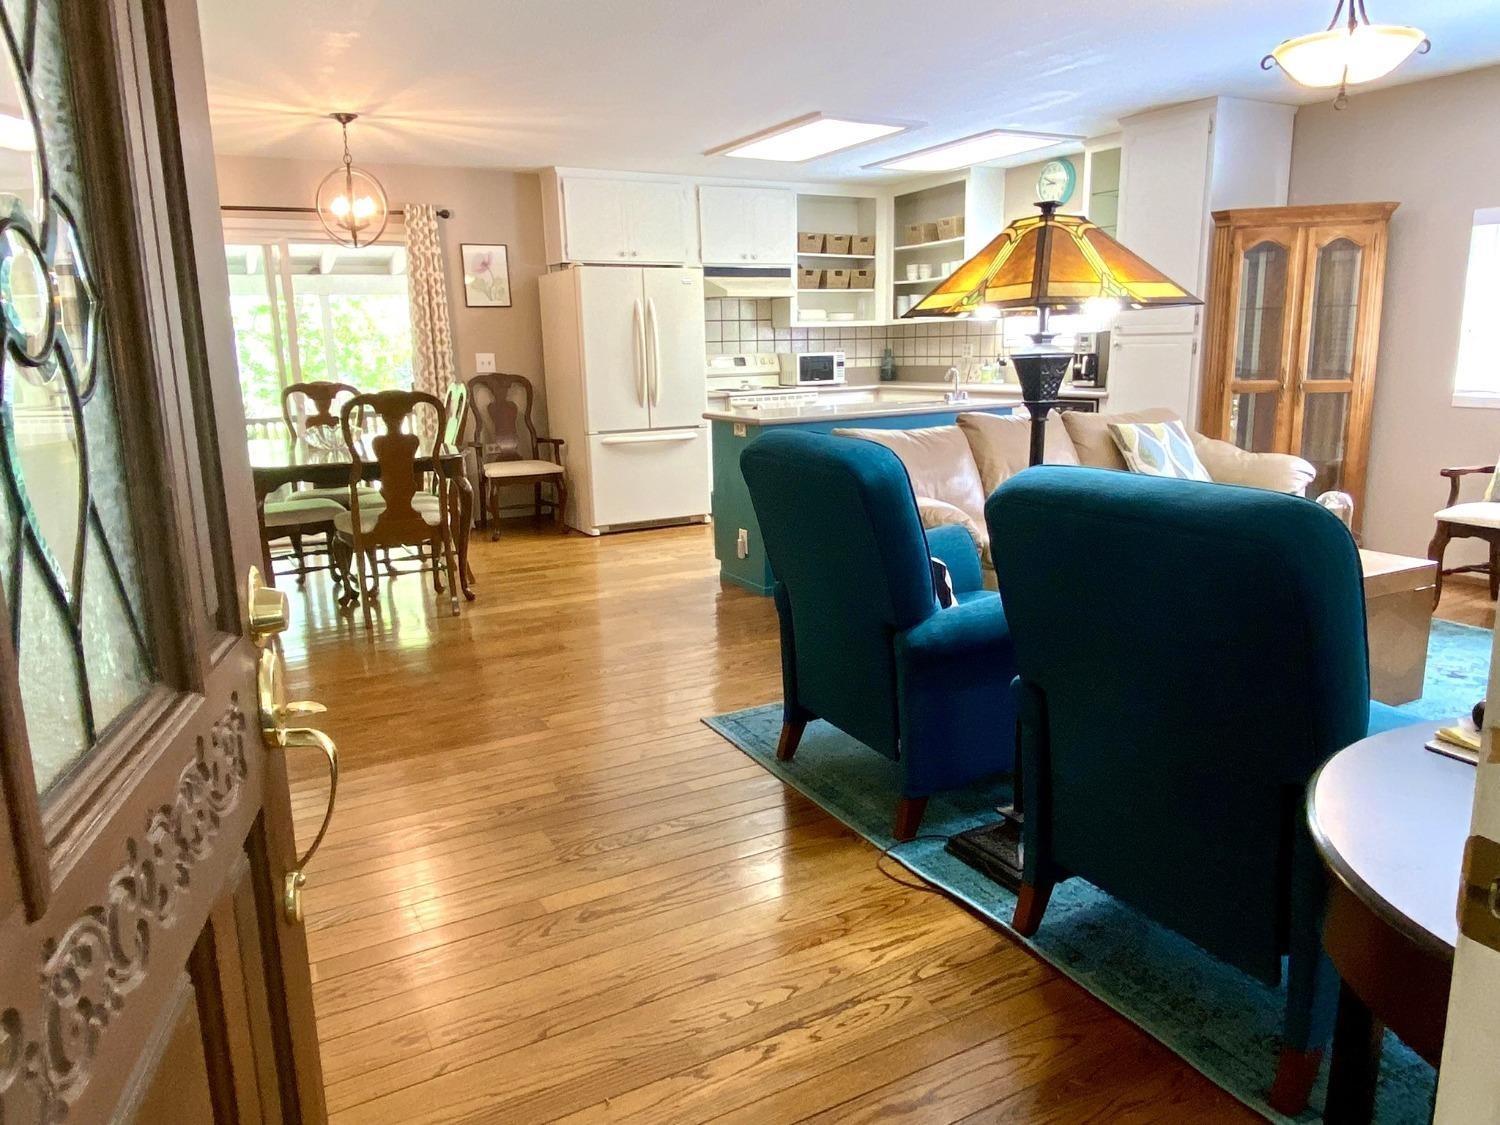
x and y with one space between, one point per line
1433 147
488 207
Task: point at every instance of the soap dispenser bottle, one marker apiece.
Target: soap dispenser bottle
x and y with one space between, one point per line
887 366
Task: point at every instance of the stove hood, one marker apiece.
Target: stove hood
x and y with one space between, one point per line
734 281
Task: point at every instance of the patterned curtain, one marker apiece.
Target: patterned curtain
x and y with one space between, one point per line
431 334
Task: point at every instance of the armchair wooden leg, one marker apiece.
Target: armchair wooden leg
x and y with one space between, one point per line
1031 904
562 505
536 502
791 736
1435 551
1494 569
909 812
1296 1071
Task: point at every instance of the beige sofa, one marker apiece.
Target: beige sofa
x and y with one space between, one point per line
954 468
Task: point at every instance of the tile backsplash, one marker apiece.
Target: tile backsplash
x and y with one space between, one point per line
743 325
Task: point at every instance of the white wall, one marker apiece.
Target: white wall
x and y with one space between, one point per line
1433 147
488 207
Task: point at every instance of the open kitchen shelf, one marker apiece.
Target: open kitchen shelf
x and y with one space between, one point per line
867 289
839 257
933 244
922 280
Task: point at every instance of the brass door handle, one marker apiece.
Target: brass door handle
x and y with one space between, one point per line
276 712
289 738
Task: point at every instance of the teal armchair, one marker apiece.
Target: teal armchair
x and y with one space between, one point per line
864 642
1189 654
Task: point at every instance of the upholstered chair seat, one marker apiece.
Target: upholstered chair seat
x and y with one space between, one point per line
512 470
1478 513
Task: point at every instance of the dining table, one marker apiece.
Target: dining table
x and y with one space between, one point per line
276 462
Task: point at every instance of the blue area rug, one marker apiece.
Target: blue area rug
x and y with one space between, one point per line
1222 1022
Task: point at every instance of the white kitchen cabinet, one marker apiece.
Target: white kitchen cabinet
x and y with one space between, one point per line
596 224
659 217
747 226
588 218
1152 371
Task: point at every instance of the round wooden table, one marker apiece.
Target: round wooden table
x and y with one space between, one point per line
1389 818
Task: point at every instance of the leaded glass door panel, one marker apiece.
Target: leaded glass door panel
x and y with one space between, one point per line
149 963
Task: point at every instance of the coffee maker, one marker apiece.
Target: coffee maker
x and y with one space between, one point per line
1090 359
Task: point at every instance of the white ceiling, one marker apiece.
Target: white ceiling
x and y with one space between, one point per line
651 84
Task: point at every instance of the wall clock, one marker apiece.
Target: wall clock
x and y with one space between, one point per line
1057 181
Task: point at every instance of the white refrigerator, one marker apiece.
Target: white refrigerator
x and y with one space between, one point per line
624 359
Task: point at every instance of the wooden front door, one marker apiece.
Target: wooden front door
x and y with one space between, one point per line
151 968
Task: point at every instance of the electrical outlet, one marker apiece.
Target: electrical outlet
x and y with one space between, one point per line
742 545
484 363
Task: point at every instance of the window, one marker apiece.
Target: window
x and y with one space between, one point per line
308 311
1477 382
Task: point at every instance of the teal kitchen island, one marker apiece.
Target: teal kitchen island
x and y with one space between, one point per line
737 544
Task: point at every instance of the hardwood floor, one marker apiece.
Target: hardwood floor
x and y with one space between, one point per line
550 893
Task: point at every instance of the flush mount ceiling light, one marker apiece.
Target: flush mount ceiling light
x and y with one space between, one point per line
350 202
807 137
993 145
1348 52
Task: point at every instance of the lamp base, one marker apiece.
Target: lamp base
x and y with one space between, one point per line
1041 375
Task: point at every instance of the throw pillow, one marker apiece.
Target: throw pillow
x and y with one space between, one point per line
1091 438
1001 445
942 583
1158 449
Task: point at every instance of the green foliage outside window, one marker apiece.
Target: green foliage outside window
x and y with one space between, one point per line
368 344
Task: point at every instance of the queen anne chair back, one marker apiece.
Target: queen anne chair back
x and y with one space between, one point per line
312 410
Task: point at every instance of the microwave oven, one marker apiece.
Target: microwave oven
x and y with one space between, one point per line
812 369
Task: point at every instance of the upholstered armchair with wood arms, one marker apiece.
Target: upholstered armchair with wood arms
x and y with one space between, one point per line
865 644
1477 519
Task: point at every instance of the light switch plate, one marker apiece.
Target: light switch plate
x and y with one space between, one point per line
484 363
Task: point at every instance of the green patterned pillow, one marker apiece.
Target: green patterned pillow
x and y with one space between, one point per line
1158 449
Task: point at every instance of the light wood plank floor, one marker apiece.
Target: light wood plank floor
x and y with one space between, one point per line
550 893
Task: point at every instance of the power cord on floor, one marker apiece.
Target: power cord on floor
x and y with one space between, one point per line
926 885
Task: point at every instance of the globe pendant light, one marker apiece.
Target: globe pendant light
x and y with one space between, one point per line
350 203
1346 53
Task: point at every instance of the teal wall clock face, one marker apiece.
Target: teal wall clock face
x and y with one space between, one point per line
1057 181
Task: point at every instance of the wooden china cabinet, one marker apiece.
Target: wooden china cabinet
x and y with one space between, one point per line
1293 329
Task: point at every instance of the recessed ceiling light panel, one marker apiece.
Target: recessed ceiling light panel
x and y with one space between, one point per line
993 145
806 138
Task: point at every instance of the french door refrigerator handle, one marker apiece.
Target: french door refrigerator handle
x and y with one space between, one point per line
649 437
655 337
638 328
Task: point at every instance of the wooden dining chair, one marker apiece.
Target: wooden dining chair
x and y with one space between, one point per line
509 449
398 519
312 410
1476 519
296 518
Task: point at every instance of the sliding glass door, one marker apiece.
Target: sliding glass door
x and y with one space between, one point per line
307 311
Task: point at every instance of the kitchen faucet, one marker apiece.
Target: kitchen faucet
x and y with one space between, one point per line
957 394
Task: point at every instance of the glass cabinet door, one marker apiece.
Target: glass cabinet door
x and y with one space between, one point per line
1330 352
1267 266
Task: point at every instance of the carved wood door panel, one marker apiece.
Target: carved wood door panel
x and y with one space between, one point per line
150 967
